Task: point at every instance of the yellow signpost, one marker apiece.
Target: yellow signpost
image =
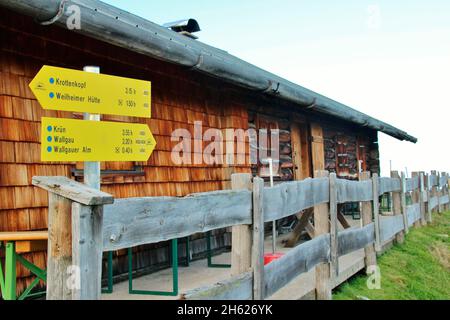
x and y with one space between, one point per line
73 90
81 140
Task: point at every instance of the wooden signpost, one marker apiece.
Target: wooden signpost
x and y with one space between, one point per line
75 229
81 140
73 90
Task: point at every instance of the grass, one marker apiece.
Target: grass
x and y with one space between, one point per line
418 269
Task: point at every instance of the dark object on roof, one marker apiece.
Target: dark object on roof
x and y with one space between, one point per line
118 27
187 25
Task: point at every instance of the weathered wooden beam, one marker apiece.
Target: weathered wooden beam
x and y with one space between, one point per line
334 261
238 287
415 195
376 211
322 226
241 235
59 252
370 257
87 250
258 239
299 260
423 212
356 238
299 227
73 190
413 213
289 198
403 203
341 218
135 221
387 185
353 191
390 226
397 207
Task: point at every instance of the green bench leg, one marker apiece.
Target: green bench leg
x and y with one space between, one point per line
9 292
209 254
174 292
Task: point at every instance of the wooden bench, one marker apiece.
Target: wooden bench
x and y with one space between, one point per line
14 244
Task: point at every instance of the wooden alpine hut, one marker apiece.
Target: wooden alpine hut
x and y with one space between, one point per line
191 82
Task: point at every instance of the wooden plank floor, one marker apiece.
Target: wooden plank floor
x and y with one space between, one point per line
198 274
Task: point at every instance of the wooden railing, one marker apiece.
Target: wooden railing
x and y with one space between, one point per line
96 225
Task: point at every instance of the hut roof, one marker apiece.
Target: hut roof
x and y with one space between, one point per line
110 24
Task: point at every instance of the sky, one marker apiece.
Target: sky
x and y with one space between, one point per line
388 59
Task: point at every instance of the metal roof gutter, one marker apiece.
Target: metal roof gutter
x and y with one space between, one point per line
110 24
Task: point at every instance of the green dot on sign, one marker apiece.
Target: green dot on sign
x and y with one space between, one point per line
51 95
49 139
49 128
52 80
49 149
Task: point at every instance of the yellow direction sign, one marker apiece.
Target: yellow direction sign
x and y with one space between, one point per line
81 140
79 91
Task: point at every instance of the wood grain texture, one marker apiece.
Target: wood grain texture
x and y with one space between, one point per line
87 250
353 191
356 238
135 221
334 244
241 235
73 190
59 253
301 259
290 198
389 185
239 287
412 183
322 226
444 199
376 211
403 203
413 213
258 239
433 202
390 226
23 235
370 257
397 207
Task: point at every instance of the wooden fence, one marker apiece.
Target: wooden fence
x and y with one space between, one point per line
97 224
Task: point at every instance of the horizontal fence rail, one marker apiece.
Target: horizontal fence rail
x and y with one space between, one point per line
290 198
135 221
353 191
355 238
387 185
297 261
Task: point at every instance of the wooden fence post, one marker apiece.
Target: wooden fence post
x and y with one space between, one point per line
428 195
439 193
446 189
87 245
59 252
370 258
415 196
334 257
433 191
241 235
75 243
403 199
423 211
376 211
322 226
397 207
258 240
